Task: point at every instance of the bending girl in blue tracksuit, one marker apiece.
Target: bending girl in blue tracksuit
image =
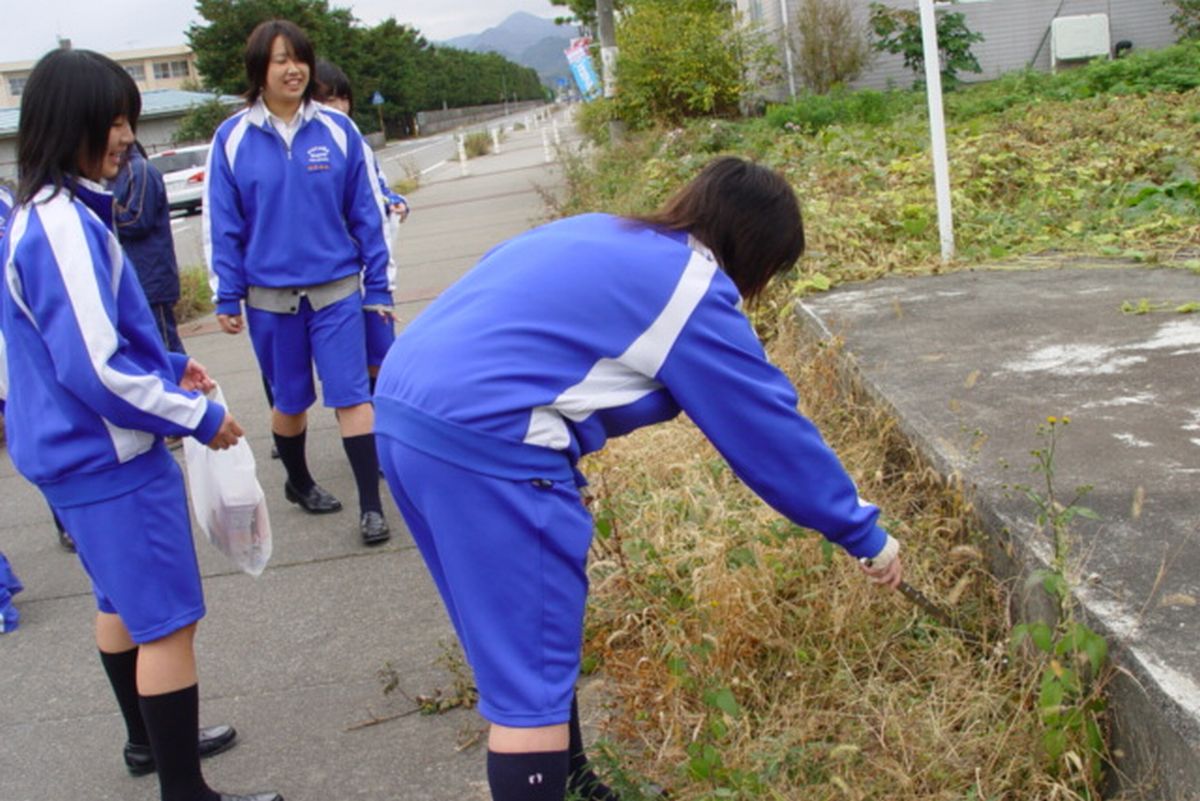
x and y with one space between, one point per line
572 333
91 392
292 216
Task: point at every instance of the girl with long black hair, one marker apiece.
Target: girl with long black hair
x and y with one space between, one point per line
91 393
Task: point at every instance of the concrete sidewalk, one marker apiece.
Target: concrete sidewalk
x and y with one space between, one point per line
292 658
971 363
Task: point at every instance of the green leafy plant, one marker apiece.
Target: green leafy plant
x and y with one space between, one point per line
1186 18
195 295
1070 694
811 113
898 31
477 144
461 692
1147 306
685 58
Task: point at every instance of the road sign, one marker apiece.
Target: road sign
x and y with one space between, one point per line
377 99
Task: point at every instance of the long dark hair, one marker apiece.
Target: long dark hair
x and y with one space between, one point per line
746 214
332 82
68 107
258 54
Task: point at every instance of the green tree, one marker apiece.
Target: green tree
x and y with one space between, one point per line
390 58
1186 18
898 31
219 44
685 58
394 60
200 122
583 12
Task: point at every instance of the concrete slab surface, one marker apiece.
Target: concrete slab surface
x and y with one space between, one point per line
972 362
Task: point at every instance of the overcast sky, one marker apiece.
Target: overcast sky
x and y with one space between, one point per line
31 27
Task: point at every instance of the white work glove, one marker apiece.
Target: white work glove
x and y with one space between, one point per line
884 567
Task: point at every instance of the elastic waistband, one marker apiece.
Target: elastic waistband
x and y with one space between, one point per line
286 300
78 489
468 448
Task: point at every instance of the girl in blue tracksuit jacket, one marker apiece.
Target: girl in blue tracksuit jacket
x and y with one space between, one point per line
292 216
577 331
91 392
10 585
6 204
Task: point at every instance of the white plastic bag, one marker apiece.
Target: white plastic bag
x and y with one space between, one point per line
228 501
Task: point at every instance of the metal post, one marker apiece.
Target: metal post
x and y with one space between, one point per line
495 140
787 48
554 127
937 129
608 60
462 156
546 146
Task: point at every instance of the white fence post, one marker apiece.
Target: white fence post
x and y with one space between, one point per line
462 156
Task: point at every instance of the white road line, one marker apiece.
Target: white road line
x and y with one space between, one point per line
413 151
434 167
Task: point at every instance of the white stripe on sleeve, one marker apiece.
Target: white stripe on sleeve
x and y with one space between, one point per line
630 376
68 242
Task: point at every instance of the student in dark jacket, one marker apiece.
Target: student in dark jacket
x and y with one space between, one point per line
144 228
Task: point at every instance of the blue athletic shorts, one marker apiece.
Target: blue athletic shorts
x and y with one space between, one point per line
287 345
381 333
137 550
509 558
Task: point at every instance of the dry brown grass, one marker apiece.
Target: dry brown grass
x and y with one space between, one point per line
702 596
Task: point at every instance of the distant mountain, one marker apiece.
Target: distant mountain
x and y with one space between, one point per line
528 40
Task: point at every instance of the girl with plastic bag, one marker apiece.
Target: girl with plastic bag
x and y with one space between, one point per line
91 394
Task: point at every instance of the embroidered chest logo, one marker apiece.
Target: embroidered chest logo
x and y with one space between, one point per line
318 158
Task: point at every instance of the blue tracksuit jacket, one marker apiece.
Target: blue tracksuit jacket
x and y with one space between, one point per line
593 326
276 216
90 389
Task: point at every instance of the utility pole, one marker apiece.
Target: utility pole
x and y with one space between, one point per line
937 129
785 26
608 60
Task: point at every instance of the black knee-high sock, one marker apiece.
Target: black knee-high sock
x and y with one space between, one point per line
527 777
360 450
581 780
371 380
291 453
171 721
122 675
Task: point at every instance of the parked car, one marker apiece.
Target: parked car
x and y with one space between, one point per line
183 173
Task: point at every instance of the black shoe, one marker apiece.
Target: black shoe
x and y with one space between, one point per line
374 529
66 541
252 797
316 501
210 741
